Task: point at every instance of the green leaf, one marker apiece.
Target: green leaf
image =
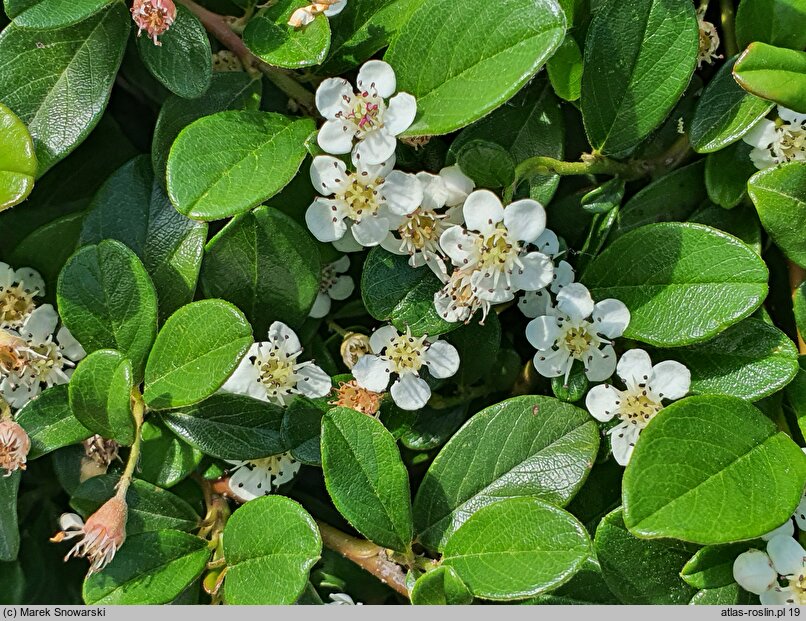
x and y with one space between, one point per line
230 162
9 531
132 208
151 508
727 172
58 81
774 73
45 14
478 347
751 360
779 194
453 90
107 301
230 427
427 428
725 112
565 70
12 576
394 291
366 478
165 460
267 265
683 283
49 422
440 587
712 566
152 568
741 222
608 196
586 587
17 160
301 429
271 39
730 595
505 451
487 163
270 545
704 469
183 61
232 90
638 571
196 351
499 559
777 22
639 58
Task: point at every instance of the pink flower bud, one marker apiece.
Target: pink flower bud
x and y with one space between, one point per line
153 16
101 536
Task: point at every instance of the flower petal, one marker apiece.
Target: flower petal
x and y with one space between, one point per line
321 306
611 317
71 348
382 338
482 211
534 303
342 288
543 332
336 8
786 554
284 338
370 231
377 76
402 192
40 324
347 242
536 272
602 402
634 367
372 372
786 529
669 380
790 116
563 275
777 596
400 114
329 175
800 514
325 219
460 246
7 275
458 185
600 363
410 392
333 96
314 382
761 135
336 137
548 243
622 440
753 571
552 364
377 147
245 380
442 359
525 220
30 280
575 301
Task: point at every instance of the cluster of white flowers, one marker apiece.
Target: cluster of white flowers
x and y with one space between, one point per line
779 141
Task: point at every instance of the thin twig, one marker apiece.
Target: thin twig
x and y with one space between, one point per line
728 27
797 275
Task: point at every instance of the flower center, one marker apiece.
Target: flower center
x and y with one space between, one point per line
797 584
48 359
639 409
277 371
351 395
421 231
406 353
361 198
327 279
792 142
577 340
498 252
458 297
366 112
15 305
14 355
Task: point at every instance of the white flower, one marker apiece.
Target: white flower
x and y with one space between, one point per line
342 599
536 303
306 14
333 285
776 142
259 477
364 115
18 288
580 330
417 234
647 387
495 246
758 572
457 300
404 355
365 201
270 371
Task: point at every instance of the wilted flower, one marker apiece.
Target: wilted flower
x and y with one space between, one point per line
153 16
101 536
99 453
709 40
333 285
353 347
14 446
779 141
259 477
457 300
306 14
18 288
352 395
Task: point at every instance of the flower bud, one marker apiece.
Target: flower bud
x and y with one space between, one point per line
14 446
353 347
153 16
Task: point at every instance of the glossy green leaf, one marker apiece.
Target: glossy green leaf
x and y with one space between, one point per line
516 548
9 530
607 196
487 163
230 162
705 469
50 423
453 90
165 459
394 291
725 112
44 14
683 283
58 81
196 351
366 478
587 586
269 36
638 571
230 427
727 172
777 22
440 587
17 160
774 73
751 360
730 595
779 195
741 222
152 568
132 208
301 429
565 70
267 265
12 577
183 61
478 347
505 451
270 545
639 58
427 428
107 300
712 566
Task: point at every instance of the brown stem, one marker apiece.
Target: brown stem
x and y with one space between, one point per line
797 275
365 554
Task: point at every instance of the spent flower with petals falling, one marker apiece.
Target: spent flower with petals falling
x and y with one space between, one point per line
457 300
14 445
371 115
153 16
763 572
647 387
577 329
352 395
18 288
779 141
404 355
709 40
259 477
306 14
361 205
270 370
100 537
334 284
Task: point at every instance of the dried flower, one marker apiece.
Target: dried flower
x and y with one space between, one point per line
352 395
99 453
14 446
153 16
353 347
101 536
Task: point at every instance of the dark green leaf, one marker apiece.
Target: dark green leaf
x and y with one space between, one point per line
487 163
44 14
712 566
774 73
165 459
586 587
50 423
777 22
607 196
478 346
727 172
301 429
565 70
440 587
9 531
269 36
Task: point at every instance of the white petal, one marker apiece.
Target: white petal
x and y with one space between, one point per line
493 294
321 306
400 114
786 554
370 231
762 159
371 372
325 220
762 134
753 571
600 363
482 211
434 191
442 359
245 380
669 380
460 246
286 469
575 301
402 192
301 17
30 280
777 596
377 147
347 242
71 348
525 220
410 392
457 183
342 288
602 402
336 8
284 338
800 514
790 116
382 338
341 265
70 521
373 172
534 303
542 332
537 272
548 243
18 394
563 275
622 440
610 317
41 324
786 529
377 76
634 367
7 277
330 97
336 137
314 382
553 364
329 175
248 483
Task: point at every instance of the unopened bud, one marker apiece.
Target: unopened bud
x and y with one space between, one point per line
14 446
353 347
